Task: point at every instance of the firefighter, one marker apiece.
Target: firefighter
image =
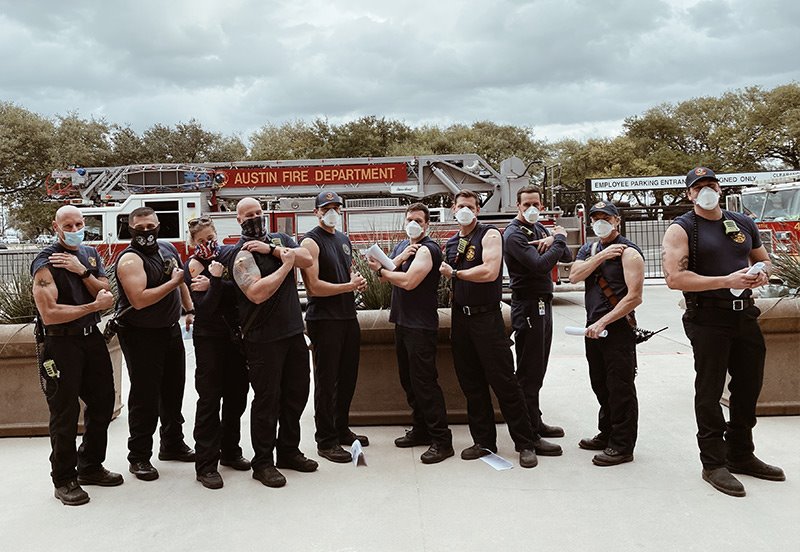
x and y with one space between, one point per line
277 355
333 328
706 253
531 253
151 283
221 373
613 270
415 283
70 289
481 349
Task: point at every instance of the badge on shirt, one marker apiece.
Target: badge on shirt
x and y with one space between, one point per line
346 248
471 253
93 262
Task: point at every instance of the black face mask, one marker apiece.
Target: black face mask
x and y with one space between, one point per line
254 228
144 240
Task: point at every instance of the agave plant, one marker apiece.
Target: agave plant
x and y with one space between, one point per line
786 265
16 300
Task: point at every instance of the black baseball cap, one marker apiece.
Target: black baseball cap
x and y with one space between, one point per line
326 198
604 207
698 174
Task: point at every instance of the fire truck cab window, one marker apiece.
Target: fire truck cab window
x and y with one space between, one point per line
168 218
93 227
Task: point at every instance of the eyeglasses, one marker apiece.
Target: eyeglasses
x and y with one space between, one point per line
201 220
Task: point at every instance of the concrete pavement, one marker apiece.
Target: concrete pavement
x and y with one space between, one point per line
658 502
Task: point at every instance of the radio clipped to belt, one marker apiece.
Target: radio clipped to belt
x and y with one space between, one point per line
45 368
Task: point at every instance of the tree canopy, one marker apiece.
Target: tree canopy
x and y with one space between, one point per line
743 130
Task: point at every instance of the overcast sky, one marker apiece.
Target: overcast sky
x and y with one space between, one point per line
566 68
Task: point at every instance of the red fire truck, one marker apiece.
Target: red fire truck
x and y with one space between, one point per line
775 206
375 192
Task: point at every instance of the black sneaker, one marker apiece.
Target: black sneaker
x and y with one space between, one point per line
143 470
546 448
722 480
611 457
412 438
184 453
527 458
348 440
598 442
270 476
335 454
298 462
240 464
210 480
549 431
754 468
71 494
101 477
436 453
476 451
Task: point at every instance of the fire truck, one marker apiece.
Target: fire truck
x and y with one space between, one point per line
375 192
774 204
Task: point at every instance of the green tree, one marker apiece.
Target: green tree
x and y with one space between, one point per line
81 142
775 120
291 140
27 149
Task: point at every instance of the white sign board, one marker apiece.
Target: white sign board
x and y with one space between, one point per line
679 181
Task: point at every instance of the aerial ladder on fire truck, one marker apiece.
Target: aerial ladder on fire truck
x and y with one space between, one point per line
412 177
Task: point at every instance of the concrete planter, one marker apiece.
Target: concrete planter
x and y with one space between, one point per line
780 324
23 408
379 398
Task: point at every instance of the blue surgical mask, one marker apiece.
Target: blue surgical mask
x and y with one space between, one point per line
73 239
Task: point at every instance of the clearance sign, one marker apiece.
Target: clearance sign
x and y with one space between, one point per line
301 176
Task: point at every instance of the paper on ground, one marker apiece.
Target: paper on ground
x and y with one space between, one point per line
357 453
377 253
497 462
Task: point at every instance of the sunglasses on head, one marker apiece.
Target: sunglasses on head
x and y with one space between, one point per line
200 220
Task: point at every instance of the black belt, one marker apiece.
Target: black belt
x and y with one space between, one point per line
478 309
725 304
60 332
521 295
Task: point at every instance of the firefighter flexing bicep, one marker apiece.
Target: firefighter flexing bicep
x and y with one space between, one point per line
70 289
272 332
333 328
151 294
530 254
712 256
613 270
481 349
415 281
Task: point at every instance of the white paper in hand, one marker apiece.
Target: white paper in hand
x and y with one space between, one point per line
357 453
577 330
377 253
497 462
755 269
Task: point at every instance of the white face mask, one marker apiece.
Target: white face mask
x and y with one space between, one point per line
413 229
531 214
602 228
465 216
707 199
330 218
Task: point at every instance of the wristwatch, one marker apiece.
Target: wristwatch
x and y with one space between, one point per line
272 248
454 275
85 274
378 272
190 311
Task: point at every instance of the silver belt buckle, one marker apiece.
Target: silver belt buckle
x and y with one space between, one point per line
738 304
466 311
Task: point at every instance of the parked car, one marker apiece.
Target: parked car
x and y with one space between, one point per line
3 245
12 240
45 239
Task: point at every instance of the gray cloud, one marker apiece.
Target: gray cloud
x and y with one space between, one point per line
565 68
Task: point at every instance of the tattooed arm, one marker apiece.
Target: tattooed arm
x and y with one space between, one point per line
675 263
248 277
45 295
